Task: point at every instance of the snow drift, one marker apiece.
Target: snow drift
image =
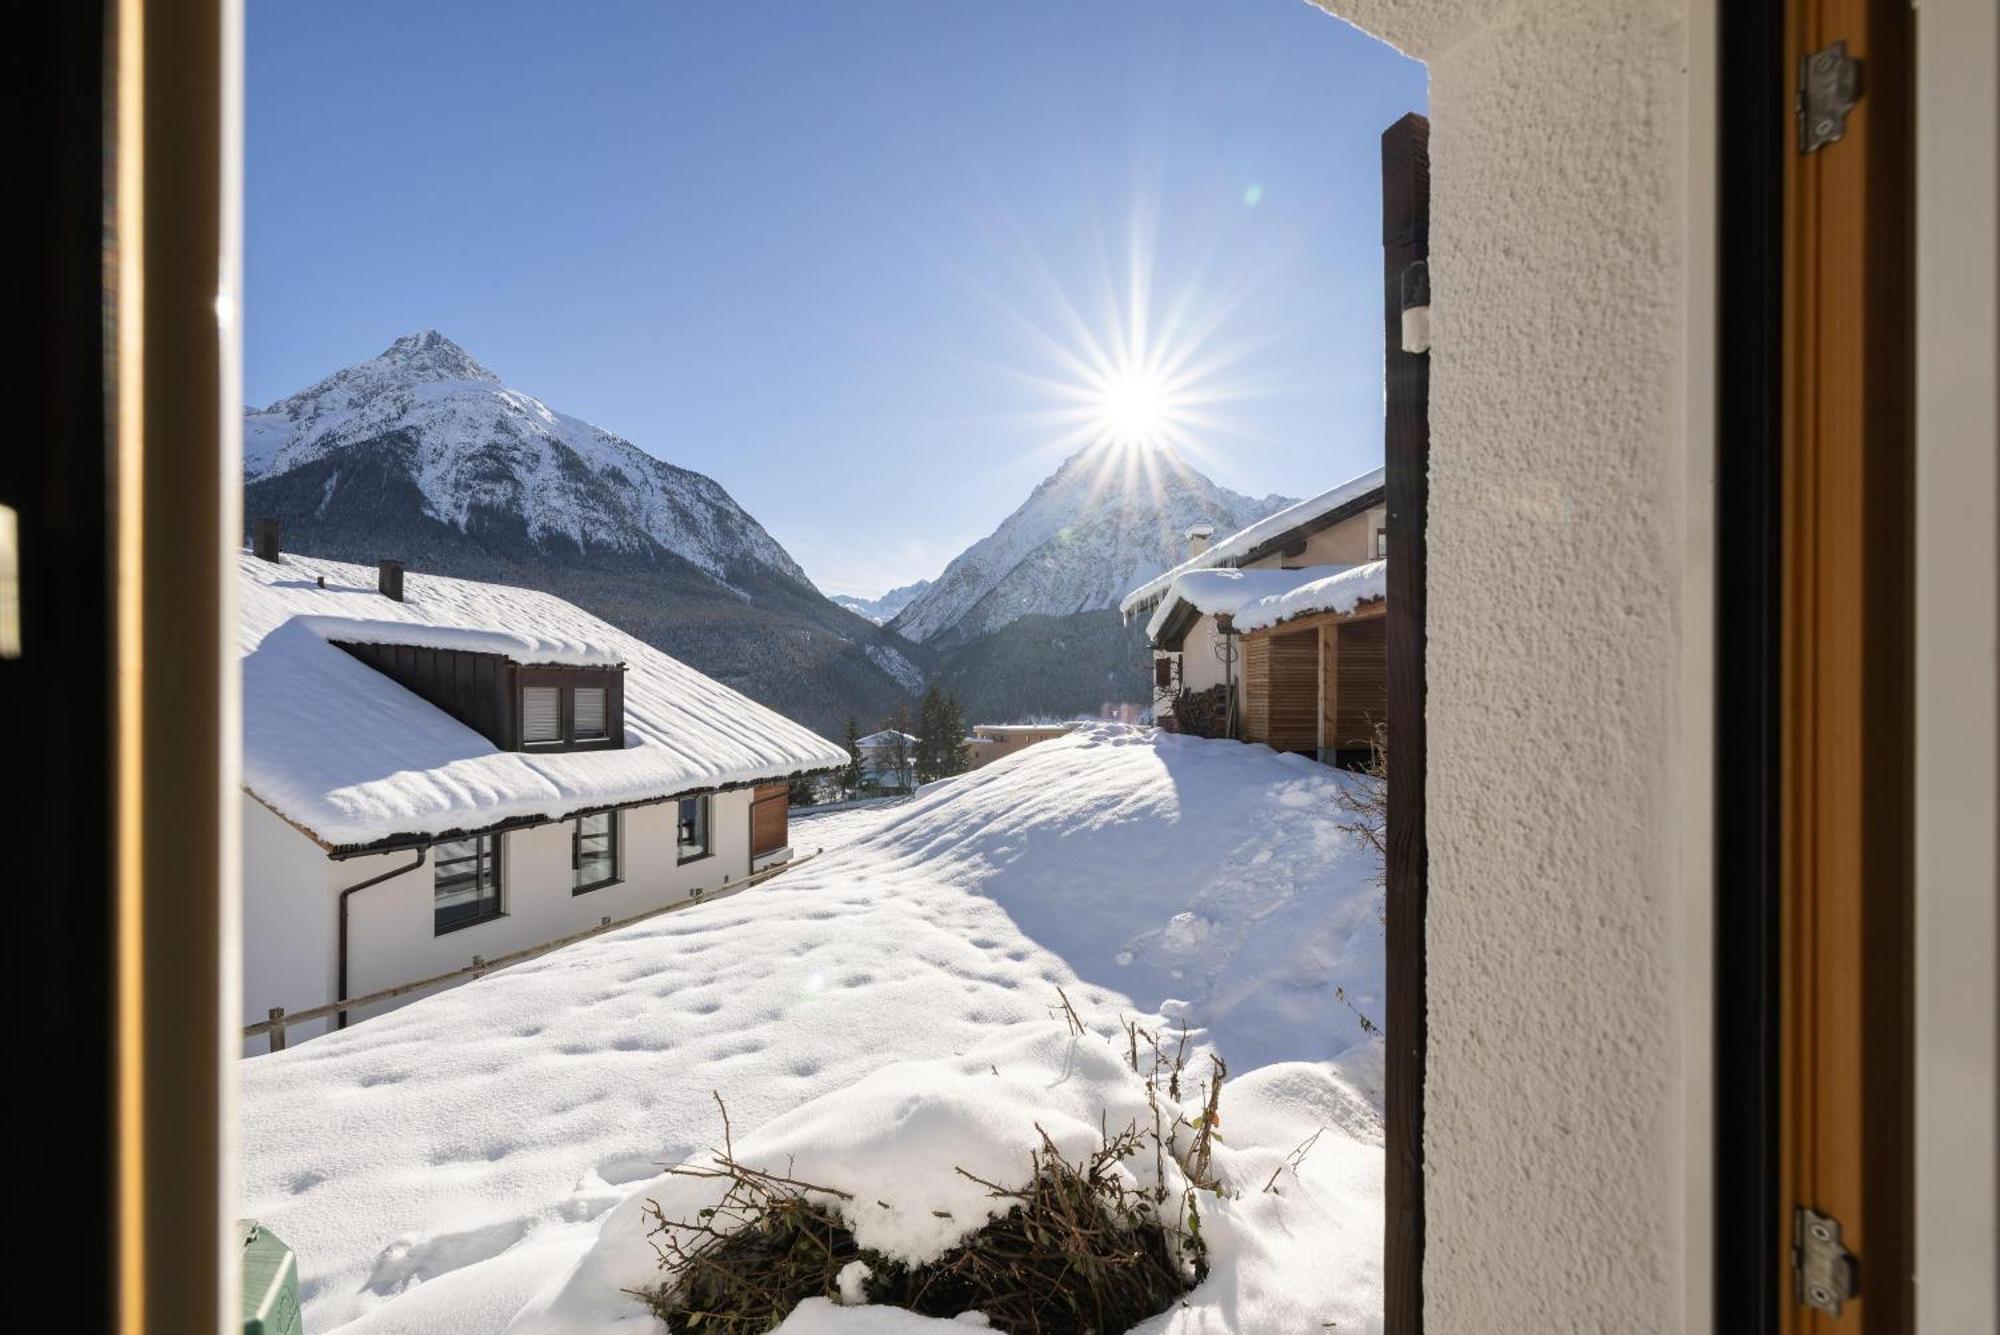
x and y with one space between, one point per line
478 1161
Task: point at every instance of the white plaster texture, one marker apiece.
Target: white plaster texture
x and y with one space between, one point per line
1555 1142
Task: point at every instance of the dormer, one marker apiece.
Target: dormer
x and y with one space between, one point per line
481 679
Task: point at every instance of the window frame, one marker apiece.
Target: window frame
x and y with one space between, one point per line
705 806
567 681
613 844
488 851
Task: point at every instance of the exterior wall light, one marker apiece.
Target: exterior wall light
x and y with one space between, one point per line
1417 308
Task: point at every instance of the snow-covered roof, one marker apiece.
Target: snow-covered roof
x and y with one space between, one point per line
1340 591
884 738
1256 599
1231 549
353 758
517 646
1004 729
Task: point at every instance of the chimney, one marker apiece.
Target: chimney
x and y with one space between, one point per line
389 579
1197 538
264 539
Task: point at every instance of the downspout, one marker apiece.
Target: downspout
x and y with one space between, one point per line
340 1021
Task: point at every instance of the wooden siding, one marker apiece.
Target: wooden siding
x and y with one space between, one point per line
1256 688
768 811
1292 692
477 689
1361 686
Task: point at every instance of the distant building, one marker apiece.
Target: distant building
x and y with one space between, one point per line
992 741
1274 633
888 761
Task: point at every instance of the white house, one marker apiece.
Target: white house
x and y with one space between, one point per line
888 760
436 769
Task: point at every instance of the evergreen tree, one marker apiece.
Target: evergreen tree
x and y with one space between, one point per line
929 759
850 778
954 730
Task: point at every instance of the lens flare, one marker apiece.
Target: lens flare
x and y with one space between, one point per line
1134 408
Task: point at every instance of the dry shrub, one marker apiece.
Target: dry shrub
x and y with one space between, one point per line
1079 1249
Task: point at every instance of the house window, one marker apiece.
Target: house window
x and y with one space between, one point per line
571 709
541 714
1381 544
590 714
694 841
593 852
466 888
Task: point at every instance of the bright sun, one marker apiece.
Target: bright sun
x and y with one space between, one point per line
1135 409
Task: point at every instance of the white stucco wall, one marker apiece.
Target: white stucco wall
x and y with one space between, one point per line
288 921
1566 562
289 881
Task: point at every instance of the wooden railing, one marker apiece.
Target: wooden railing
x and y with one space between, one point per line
280 1019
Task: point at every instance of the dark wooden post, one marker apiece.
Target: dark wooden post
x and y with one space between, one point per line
1406 196
277 1014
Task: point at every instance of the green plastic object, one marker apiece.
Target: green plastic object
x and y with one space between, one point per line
270 1282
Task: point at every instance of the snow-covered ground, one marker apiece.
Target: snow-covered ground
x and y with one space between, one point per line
477 1161
824 829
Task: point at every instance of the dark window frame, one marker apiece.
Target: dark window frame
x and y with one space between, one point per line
487 853
613 845
706 807
568 680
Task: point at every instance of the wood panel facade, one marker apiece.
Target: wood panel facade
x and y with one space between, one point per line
1255 688
1318 685
1360 693
1293 692
770 809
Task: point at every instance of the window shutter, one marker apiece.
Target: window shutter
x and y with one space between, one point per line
541 714
1163 673
589 704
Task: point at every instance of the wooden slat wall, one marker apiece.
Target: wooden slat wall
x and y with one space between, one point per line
1256 688
768 812
1292 693
1361 692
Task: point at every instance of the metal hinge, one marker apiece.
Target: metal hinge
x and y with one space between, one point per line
1824 1273
1829 86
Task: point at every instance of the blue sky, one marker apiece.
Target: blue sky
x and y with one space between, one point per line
831 254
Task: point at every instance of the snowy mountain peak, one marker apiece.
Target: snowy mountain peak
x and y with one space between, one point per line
426 420
1108 518
429 355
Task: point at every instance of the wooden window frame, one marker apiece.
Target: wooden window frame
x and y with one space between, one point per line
614 842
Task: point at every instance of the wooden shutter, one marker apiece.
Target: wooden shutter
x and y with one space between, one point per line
768 811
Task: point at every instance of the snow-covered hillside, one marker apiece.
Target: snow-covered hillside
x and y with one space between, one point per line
1110 518
880 610
476 1161
472 445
